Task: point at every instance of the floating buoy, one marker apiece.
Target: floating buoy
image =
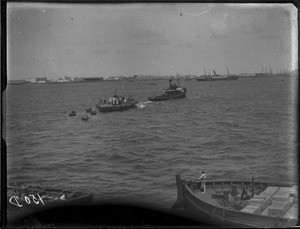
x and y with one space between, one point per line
72 113
93 112
85 117
89 110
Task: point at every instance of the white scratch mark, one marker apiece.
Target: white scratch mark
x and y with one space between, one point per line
201 13
45 27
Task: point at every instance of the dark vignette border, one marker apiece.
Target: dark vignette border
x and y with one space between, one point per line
3 178
161 218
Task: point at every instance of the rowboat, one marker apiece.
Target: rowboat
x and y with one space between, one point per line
72 113
223 203
23 201
85 117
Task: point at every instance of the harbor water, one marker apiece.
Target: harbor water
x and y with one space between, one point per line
231 129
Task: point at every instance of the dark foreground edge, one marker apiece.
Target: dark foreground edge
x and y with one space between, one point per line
105 215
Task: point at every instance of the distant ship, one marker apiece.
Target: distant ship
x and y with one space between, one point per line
173 92
217 77
116 103
265 74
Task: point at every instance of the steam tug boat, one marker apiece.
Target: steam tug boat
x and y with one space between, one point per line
173 92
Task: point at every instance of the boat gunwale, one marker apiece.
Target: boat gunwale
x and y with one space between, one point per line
269 183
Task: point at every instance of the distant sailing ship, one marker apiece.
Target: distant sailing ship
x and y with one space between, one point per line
280 73
265 74
216 77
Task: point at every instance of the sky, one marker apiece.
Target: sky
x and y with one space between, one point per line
100 40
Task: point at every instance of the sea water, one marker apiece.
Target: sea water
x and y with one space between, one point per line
232 129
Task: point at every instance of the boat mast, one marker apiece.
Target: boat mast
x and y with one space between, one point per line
227 71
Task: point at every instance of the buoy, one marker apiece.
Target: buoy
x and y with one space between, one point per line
85 117
72 113
93 112
89 110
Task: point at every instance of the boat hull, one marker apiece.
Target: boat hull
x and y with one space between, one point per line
113 108
167 97
202 210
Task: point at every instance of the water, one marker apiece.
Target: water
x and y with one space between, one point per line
232 129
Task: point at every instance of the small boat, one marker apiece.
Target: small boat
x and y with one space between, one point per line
23 201
116 103
85 117
93 112
223 203
173 92
89 109
72 113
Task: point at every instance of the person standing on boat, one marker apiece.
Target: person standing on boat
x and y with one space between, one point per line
202 179
246 194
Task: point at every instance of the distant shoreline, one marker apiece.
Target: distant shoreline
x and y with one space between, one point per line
72 82
150 79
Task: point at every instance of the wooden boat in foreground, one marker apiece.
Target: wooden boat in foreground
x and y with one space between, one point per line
268 205
23 201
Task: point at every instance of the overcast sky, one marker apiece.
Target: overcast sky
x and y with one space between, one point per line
91 40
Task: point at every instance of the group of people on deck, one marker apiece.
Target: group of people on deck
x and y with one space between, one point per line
116 100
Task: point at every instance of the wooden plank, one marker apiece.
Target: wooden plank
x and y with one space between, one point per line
294 191
264 200
292 213
271 190
250 208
